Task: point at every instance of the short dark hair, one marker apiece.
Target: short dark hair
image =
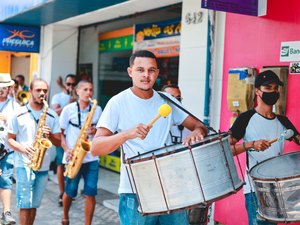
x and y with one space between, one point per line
169 86
71 76
141 53
83 82
21 76
36 80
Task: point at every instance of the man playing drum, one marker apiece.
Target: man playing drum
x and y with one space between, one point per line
127 114
257 127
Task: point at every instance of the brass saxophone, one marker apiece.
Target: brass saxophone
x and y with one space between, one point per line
40 144
82 145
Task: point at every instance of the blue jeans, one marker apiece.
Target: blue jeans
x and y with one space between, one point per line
59 155
130 216
7 170
30 187
252 206
89 171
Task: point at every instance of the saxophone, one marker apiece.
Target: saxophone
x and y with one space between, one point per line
40 144
82 145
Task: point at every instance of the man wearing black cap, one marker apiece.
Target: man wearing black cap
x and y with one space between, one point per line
257 127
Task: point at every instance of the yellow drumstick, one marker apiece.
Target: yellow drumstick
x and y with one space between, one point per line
164 110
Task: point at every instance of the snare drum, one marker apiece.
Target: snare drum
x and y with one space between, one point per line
277 186
177 177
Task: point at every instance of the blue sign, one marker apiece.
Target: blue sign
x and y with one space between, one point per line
19 38
149 31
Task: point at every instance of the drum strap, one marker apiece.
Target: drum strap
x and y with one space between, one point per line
184 110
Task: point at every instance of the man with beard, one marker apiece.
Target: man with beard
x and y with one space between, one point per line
21 136
124 123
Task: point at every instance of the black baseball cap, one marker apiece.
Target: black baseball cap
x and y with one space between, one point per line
265 78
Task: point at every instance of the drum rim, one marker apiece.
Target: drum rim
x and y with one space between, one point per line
137 159
273 179
272 220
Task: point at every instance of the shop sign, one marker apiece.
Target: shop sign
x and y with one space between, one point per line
247 7
295 68
162 38
290 51
19 38
116 44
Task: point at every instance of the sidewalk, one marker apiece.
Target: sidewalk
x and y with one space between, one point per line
106 203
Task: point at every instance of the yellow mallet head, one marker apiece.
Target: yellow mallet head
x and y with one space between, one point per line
164 110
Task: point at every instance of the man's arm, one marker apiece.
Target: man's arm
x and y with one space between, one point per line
199 130
57 108
105 141
16 146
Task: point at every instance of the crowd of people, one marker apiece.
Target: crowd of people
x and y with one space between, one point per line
81 132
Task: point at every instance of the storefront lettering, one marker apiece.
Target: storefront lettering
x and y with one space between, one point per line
294 51
153 31
17 42
172 29
194 17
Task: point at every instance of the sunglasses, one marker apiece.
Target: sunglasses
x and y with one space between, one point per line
70 84
179 98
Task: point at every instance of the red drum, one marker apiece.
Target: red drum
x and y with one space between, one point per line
177 177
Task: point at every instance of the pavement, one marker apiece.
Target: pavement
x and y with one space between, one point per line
50 214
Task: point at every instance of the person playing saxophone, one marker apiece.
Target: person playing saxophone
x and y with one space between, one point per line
77 122
32 125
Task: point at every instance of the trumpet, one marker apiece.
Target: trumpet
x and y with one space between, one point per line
23 97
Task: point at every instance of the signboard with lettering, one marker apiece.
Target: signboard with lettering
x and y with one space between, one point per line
162 38
116 44
19 38
247 7
290 51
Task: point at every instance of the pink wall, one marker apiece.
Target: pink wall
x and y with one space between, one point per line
256 41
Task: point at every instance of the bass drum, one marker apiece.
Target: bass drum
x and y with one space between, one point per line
277 186
177 177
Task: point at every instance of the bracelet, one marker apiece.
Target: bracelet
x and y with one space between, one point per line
253 144
244 146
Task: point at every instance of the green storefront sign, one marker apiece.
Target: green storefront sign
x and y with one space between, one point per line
116 44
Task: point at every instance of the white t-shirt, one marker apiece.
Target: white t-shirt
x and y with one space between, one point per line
259 128
23 124
69 116
61 99
124 111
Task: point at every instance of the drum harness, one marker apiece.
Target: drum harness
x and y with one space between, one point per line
210 129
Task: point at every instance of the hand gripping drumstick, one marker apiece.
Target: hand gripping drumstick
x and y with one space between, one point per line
164 110
286 134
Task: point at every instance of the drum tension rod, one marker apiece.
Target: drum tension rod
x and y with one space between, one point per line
161 186
198 177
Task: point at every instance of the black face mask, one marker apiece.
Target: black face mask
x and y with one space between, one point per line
270 98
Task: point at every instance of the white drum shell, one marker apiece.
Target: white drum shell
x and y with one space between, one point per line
180 186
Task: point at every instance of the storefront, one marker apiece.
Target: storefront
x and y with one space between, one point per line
19 50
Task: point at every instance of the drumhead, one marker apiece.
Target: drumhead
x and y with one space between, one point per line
281 167
174 148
